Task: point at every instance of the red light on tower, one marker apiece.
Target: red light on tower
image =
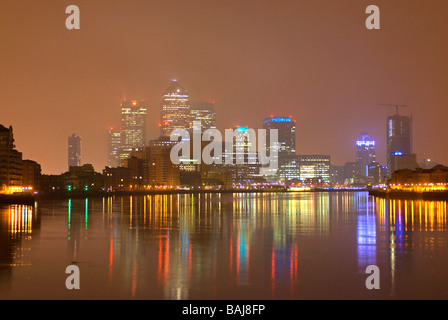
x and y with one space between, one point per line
134 103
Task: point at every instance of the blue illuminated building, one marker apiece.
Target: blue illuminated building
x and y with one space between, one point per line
365 155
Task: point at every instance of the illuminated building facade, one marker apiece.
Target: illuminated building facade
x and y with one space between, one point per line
365 154
203 112
175 109
314 168
11 165
420 180
74 151
399 138
289 172
114 142
133 126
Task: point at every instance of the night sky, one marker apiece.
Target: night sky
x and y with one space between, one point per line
313 60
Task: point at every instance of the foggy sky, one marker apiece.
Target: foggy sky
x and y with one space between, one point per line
313 60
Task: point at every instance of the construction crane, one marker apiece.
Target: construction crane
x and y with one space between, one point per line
394 105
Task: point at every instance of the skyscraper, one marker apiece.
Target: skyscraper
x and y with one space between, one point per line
74 151
241 154
133 126
175 109
365 155
286 136
205 113
285 145
399 139
114 141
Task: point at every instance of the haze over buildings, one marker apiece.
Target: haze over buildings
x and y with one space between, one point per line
313 60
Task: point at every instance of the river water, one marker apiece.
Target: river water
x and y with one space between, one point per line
226 246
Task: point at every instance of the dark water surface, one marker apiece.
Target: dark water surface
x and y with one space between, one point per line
212 246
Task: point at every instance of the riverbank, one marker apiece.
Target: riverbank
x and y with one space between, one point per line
429 195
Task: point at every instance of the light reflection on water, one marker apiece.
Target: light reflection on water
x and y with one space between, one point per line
225 246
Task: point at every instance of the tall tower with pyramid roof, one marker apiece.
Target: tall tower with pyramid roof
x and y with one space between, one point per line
175 109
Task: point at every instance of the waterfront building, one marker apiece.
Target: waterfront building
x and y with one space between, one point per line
82 178
289 172
74 150
31 174
116 178
314 168
161 171
377 173
11 165
420 180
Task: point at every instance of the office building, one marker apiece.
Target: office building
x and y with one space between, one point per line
378 173
114 143
74 151
337 175
314 168
399 139
286 133
133 126
350 172
403 161
365 154
175 109
242 156
285 147
161 171
203 113
288 172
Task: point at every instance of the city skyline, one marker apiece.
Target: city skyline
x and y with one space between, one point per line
317 63
224 150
